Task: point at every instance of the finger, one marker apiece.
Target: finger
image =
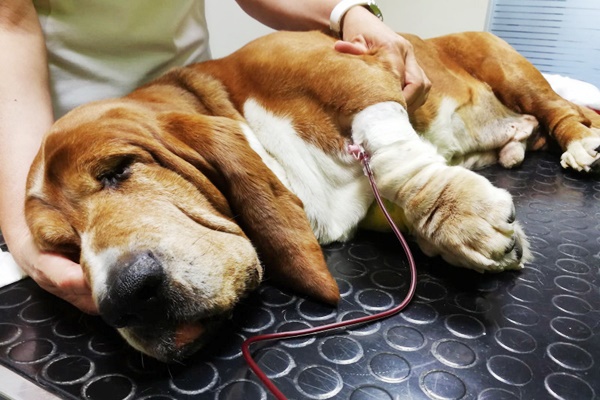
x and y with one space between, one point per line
65 279
417 84
357 46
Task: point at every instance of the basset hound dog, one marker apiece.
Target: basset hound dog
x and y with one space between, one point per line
177 198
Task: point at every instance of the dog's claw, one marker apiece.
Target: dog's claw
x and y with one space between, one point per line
513 215
511 246
581 155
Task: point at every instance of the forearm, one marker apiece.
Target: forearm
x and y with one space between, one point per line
25 109
293 14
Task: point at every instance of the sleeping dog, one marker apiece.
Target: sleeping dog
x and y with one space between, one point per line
175 198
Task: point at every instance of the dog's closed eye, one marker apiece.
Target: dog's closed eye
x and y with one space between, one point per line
115 172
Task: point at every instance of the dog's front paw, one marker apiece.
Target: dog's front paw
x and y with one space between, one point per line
472 224
582 154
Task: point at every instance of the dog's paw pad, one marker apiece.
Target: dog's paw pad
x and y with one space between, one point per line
582 154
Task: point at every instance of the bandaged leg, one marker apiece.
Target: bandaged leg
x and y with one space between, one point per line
452 211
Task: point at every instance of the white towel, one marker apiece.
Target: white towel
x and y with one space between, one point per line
576 91
10 272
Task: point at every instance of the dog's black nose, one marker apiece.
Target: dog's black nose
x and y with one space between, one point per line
133 291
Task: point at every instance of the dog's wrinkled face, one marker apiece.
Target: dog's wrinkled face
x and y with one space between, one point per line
163 256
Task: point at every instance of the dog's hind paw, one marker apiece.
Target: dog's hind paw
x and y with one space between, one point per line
582 154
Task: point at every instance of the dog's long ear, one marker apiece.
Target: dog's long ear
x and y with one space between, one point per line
271 216
50 229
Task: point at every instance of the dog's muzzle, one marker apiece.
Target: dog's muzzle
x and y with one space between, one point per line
136 292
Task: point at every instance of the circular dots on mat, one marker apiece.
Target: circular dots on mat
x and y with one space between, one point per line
571 328
570 356
313 311
573 236
273 297
388 279
571 304
370 393
579 224
573 250
573 266
520 315
428 291
340 350
9 333
143 364
69 328
525 293
515 340
419 313
404 338
230 346
363 252
294 326
374 299
442 385
549 166
546 180
31 351
68 370
195 379
487 285
259 319
573 214
454 353
350 269
538 243
540 206
319 382
112 386
37 312
241 389
106 344
532 276
572 284
541 218
275 362
363 329
496 394
14 297
464 326
543 188
565 386
472 303
539 230
390 368
344 287
509 370
577 185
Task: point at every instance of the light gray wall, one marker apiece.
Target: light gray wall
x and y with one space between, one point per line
230 27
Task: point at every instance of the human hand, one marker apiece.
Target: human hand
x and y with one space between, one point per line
363 31
55 274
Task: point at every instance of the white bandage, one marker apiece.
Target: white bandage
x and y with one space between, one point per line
382 124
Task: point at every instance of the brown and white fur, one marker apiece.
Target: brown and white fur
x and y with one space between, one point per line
175 197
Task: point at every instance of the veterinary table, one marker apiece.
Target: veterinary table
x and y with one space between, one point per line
532 334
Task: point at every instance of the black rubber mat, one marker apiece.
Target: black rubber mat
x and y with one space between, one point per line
533 334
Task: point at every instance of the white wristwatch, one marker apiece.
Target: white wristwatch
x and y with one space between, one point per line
340 10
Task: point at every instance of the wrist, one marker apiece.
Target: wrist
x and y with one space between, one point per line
339 14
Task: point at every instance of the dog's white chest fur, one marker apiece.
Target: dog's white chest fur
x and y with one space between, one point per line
335 193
